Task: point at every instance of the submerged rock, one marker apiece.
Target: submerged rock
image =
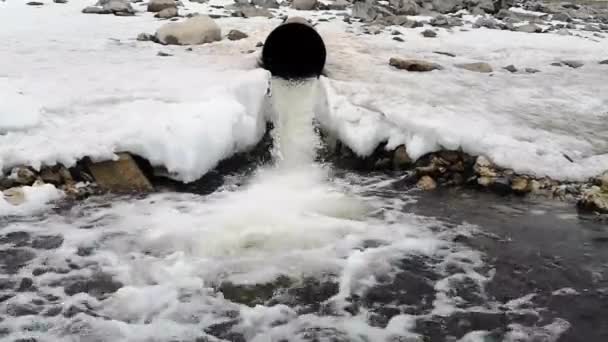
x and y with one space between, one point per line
413 65
573 64
426 183
196 30
510 68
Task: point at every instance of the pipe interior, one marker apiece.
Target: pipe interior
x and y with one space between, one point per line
294 51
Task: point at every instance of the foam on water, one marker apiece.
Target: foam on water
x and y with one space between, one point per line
173 254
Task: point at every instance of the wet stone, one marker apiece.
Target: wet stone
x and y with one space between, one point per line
17 310
26 285
252 295
13 259
97 286
407 288
468 290
47 242
17 239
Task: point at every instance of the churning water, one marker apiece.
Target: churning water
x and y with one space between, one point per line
295 252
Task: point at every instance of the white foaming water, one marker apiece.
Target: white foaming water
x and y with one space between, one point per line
294 136
172 253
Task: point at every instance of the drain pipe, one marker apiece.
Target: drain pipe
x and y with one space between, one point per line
294 50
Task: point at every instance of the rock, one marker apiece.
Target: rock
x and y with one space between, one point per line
413 65
426 183
60 1
119 7
520 185
562 16
145 37
447 6
252 11
531 70
26 285
199 29
563 32
484 167
47 242
487 22
122 175
510 68
400 158
486 6
56 175
364 10
429 33
528 28
266 3
477 67
449 54
396 33
23 175
304 5
604 62
595 200
35 3
167 13
573 64
13 259
504 14
398 39
338 5
591 28
95 10
159 5
18 310
98 285
236 35
557 64
405 7
14 196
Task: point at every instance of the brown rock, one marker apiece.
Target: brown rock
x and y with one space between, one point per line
122 175
520 184
400 158
24 176
426 183
159 5
413 65
484 167
56 175
594 200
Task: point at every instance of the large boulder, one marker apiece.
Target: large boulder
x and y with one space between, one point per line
159 5
304 5
405 7
199 29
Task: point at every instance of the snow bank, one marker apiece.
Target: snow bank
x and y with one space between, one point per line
35 199
96 90
523 121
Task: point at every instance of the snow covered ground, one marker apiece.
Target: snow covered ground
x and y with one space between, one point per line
73 85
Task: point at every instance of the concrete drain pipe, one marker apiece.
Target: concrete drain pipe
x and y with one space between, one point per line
294 50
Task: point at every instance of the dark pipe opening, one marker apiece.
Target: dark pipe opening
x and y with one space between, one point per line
293 51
